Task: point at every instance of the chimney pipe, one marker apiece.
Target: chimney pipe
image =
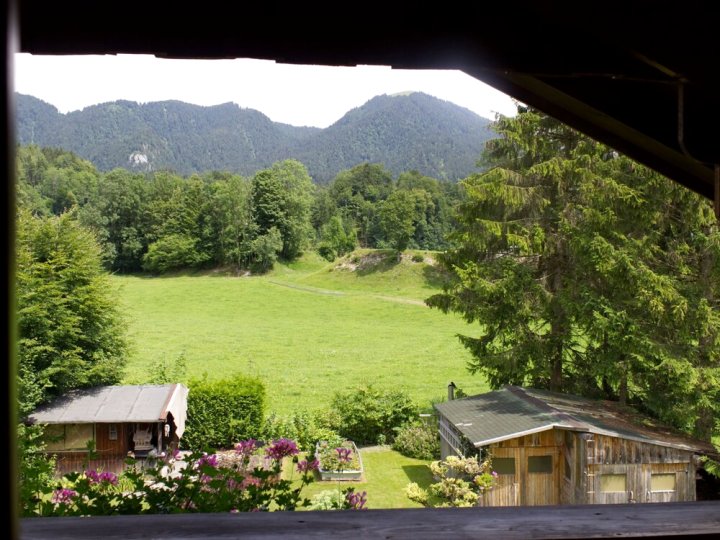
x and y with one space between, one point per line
451 391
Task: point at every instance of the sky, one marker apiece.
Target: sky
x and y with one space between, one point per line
292 94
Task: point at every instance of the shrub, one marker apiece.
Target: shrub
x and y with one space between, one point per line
305 428
220 413
327 251
419 440
462 483
418 258
366 415
173 252
329 499
203 484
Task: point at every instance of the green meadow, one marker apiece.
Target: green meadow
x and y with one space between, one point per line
306 330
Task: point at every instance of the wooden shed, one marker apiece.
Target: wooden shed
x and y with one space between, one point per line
139 420
551 448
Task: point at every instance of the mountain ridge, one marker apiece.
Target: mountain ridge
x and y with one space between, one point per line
406 131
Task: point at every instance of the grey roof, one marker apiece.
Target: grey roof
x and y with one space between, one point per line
513 412
109 404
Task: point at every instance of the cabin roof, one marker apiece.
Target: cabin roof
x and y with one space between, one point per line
513 412
115 404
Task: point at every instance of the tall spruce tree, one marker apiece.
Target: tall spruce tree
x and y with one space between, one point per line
582 277
511 260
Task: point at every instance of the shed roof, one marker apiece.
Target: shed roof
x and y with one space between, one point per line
114 404
514 412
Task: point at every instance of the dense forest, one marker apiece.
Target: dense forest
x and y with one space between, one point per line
161 221
412 131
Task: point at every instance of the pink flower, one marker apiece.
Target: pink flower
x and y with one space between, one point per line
344 454
108 477
249 481
63 496
306 466
210 460
495 474
246 448
356 501
231 484
282 448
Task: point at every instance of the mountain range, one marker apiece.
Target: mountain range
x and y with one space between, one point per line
409 131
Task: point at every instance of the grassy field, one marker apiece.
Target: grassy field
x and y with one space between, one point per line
306 329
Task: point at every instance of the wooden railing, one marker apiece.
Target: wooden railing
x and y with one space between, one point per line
667 520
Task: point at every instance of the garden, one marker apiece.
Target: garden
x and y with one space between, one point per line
361 452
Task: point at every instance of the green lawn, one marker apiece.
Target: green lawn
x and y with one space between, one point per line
304 330
387 472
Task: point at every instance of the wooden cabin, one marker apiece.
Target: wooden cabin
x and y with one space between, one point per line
142 421
551 448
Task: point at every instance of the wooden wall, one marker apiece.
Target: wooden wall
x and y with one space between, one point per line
105 446
640 464
591 469
111 454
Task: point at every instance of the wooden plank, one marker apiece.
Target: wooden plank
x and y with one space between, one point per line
662 520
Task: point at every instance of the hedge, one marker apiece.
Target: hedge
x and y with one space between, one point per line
221 413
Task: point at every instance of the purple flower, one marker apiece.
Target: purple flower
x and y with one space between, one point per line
356 501
210 460
175 453
307 466
92 475
282 448
495 474
205 479
232 484
344 454
246 448
63 496
109 477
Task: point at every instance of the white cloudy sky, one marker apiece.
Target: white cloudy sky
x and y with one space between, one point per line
298 95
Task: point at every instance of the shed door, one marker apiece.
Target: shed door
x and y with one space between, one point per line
540 475
527 476
614 484
506 490
667 482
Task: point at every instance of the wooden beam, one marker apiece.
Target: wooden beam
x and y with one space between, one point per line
717 191
661 520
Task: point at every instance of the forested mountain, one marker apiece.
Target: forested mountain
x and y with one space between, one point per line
405 132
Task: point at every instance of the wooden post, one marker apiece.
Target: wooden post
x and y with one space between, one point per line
717 191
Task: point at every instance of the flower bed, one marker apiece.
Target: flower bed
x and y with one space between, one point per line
339 462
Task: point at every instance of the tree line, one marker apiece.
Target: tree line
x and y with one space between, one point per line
161 221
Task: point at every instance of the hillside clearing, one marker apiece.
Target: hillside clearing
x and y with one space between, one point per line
303 344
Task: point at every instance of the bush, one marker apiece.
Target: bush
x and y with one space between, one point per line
367 415
220 413
418 258
326 251
462 482
304 428
419 441
329 499
173 252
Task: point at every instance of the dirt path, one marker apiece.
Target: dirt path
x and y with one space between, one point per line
317 290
